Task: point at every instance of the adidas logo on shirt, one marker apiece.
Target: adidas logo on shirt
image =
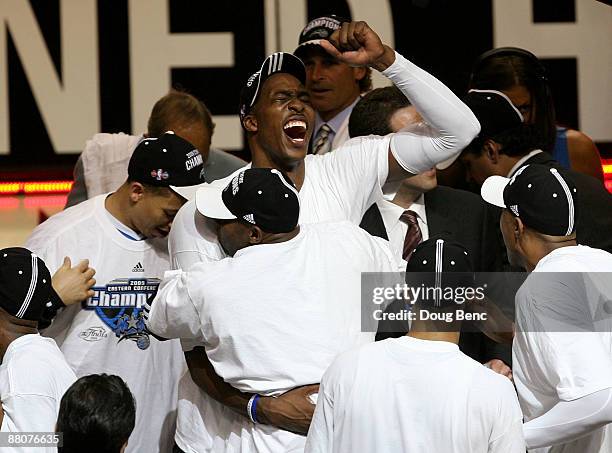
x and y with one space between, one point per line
138 268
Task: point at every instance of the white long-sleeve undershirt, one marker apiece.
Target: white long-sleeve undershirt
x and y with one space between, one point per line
449 124
569 420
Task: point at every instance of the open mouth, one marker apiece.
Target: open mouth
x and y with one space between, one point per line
316 88
295 130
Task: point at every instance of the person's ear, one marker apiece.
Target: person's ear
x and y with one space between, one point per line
255 235
518 229
250 123
137 191
491 150
359 73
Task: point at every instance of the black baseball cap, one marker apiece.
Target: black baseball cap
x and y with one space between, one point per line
168 161
494 111
440 262
544 198
261 196
25 284
319 29
278 62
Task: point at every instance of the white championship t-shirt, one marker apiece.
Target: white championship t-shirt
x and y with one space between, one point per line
418 396
272 318
559 353
107 334
33 378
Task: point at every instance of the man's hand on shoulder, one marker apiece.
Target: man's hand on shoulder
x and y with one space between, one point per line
73 284
291 411
499 367
355 43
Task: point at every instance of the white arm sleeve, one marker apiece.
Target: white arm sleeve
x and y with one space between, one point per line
569 420
451 125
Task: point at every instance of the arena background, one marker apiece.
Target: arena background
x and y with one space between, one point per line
71 68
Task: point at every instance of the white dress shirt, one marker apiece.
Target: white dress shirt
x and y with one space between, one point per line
338 125
522 160
396 229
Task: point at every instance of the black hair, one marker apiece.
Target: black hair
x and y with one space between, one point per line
514 142
372 114
506 67
162 191
97 415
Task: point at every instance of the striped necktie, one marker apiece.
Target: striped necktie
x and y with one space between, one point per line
323 143
413 235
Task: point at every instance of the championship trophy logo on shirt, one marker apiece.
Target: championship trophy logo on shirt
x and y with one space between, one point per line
121 305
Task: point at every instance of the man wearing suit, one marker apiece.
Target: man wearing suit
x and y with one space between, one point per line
334 87
418 209
505 144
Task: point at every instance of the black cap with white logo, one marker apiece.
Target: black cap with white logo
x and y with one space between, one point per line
25 284
168 161
494 111
279 62
260 196
544 198
440 262
319 29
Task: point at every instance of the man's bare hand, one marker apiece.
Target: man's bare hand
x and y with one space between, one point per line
497 326
499 367
73 284
356 44
291 411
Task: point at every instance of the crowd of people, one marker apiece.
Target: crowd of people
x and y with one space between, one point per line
187 301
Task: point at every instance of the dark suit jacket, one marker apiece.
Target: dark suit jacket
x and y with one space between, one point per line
594 206
469 220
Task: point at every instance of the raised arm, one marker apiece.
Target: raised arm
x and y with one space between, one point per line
449 124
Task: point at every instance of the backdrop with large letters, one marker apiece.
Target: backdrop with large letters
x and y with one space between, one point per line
71 68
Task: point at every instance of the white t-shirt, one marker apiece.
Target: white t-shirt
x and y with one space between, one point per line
106 334
337 186
557 354
33 378
273 317
417 396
